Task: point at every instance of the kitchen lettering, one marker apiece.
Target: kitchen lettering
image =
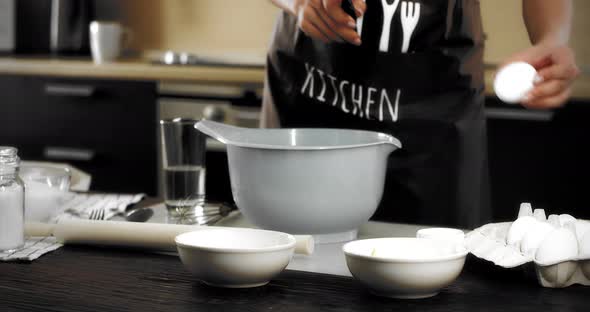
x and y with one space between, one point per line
352 98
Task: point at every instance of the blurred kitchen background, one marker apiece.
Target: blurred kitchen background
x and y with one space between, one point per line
56 105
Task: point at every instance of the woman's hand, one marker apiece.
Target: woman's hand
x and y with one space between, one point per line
325 20
557 70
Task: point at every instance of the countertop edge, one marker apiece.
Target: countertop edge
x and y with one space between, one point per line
145 71
132 70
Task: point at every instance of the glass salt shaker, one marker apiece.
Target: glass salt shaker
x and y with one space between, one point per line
12 202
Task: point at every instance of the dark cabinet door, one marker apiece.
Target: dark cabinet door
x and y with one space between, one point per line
542 160
105 127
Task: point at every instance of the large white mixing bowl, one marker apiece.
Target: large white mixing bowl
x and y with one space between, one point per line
305 181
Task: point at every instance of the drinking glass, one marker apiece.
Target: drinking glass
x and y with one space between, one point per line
183 162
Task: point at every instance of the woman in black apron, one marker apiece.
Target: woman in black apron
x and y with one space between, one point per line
413 69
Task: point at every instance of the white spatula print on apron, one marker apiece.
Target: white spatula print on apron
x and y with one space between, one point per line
388 12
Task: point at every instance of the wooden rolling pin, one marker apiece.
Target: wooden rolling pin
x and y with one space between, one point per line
154 236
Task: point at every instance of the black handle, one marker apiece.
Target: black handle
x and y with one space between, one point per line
68 153
348 7
519 114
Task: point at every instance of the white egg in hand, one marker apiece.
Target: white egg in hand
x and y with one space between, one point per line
514 81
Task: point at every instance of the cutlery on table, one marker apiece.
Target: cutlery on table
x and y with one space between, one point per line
139 214
97 214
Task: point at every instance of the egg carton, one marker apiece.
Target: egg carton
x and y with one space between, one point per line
558 246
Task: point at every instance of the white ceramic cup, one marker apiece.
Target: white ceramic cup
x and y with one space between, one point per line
455 236
107 40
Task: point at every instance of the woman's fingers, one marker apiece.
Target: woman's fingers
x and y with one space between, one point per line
336 13
321 23
548 102
548 88
310 29
560 71
347 32
360 7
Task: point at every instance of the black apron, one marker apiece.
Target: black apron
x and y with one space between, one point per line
428 92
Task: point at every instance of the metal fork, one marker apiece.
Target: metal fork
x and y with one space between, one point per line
410 16
97 214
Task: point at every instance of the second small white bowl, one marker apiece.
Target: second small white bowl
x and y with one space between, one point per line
235 257
404 267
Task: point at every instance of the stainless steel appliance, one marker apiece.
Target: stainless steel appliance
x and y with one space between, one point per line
205 59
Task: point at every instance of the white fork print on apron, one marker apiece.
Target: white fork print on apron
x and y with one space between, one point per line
410 15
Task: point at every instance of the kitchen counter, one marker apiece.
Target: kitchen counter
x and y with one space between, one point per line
326 258
130 70
79 278
142 70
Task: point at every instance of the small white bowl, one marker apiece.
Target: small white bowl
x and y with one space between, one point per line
235 257
405 268
46 190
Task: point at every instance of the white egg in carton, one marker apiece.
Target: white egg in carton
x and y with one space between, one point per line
559 246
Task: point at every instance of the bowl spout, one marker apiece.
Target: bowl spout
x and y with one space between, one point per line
388 143
223 133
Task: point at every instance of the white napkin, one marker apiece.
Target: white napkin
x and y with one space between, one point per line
78 206
34 248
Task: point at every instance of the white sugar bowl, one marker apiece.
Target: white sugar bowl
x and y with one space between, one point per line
235 257
406 268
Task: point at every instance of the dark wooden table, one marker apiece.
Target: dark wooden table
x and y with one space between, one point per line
77 278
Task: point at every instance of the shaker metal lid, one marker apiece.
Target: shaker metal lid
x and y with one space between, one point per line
8 151
8 156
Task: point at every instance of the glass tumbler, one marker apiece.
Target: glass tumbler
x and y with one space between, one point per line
183 163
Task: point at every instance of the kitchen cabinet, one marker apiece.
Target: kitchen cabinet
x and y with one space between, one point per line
539 157
105 127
